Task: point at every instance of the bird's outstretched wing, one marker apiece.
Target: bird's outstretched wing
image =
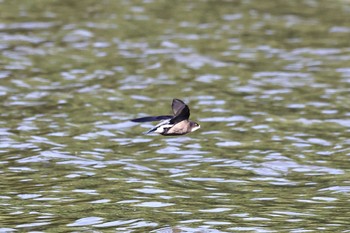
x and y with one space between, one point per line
152 118
181 111
177 106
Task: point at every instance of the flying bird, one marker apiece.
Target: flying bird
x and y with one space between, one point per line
178 124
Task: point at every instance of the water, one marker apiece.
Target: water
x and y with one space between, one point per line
268 82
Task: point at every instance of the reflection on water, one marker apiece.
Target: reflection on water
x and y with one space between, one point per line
269 87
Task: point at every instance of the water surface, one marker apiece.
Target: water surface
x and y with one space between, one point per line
268 81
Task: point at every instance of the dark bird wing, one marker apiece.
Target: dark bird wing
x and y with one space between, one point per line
181 111
152 118
177 106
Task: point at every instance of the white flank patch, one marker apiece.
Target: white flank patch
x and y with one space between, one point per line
162 128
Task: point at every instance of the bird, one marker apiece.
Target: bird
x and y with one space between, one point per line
172 125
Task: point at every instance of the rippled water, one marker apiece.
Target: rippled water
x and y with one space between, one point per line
269 82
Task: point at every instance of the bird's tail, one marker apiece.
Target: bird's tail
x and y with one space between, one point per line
150 131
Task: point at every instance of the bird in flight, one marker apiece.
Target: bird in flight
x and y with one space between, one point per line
178 124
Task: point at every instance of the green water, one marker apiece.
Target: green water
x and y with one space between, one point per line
269 82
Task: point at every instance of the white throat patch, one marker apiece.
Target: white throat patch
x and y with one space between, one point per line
195 128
